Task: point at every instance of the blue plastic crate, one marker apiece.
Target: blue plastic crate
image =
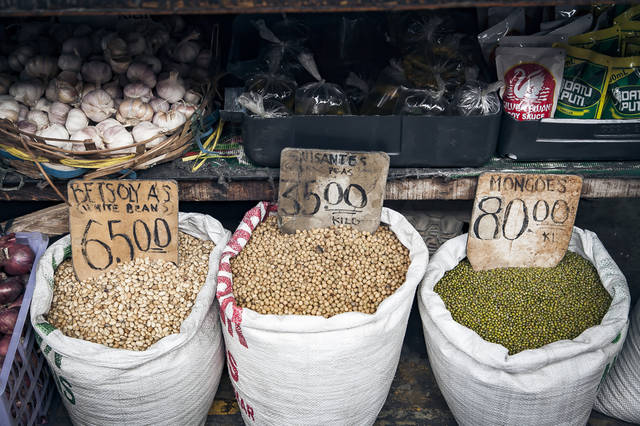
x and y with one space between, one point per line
26 384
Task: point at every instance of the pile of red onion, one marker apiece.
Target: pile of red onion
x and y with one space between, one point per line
16 261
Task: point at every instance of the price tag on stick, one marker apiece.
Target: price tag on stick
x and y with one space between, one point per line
116 221
522 220
320 188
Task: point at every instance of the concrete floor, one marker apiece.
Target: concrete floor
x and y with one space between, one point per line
414 398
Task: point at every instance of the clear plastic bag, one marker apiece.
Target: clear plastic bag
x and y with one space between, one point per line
383 97
320 97
424 66
421 102
265 108
357 90
273 86
281 55
477 98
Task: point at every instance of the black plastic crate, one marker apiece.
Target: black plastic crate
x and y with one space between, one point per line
410 141
569 140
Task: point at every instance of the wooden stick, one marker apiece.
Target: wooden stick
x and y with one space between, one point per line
50 221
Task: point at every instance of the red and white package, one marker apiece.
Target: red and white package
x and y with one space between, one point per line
532 78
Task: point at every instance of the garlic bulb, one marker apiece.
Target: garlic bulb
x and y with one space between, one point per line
192 97
172 88
185 108
42 67
55 131
139 72
89 133
70 62
80 46
19 57
66 93
76 120
102 126
116 47
133 111
159 104
158 39
169 121
96 72
146 131
51 94
27 126
120 64
58 113
42 105
203 59
27 92
113 89
97 105
40 118
87 88
70 77
151 61
136 44
9 110
23 111
187 50
106 39
138 91
5 83
116 137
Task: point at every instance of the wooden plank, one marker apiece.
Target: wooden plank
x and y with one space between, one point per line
424 188
137 7
50 221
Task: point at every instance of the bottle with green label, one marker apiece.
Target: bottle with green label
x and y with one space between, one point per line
623 93
584 84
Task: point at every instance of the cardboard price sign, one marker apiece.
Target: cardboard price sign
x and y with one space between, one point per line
320 188
522 220
116 221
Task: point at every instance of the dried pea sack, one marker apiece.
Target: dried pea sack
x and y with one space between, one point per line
584 84
623 93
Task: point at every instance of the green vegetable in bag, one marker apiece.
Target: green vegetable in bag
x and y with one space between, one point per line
623 94
584 85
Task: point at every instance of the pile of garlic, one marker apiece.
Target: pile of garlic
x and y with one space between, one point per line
140 81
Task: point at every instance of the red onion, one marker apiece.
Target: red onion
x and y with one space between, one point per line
17 259
4 345
8 319
17 303
10 289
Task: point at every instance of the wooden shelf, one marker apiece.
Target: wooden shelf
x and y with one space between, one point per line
137 7
225 183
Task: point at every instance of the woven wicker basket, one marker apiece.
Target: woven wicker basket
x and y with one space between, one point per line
33 148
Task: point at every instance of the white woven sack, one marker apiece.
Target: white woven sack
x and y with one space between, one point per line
552 385
311 370
619 394
172 382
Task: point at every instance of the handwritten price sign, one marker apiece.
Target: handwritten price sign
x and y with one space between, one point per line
522 220
116 221
321 188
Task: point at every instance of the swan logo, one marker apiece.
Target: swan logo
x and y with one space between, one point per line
529 92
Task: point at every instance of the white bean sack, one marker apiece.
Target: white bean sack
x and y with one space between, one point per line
619 394
552 385
172 382
311 370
